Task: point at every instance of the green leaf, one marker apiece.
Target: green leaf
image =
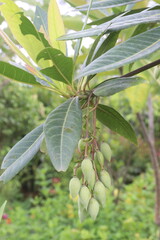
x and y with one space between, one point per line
112 86
22 153
17 74
116 24
107 4
62 69
127 52
2 210
62 130
23 30
55 26
113 120
41 19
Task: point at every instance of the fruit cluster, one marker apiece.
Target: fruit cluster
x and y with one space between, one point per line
92 188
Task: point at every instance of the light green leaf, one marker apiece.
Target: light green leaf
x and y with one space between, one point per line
55 26
17 74
127 52
62 132
2 210
22 153
23 30
62 69
113 120
107 4
112 86
41 19
116 24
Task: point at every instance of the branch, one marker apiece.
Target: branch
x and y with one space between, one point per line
142 69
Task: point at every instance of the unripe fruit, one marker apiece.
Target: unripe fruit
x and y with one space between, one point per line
81 145
74 186
106 151
81 211
86 167
93 208
84 196
105 179
100 158
100 193
92 179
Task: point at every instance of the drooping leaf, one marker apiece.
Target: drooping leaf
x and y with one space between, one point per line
113 120
127 52
2 210
55 26
117 24
17 74
62 68
41 19
112 86
107 4
62 131
23 30
22 153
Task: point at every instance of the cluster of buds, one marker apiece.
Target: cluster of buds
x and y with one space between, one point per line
92 188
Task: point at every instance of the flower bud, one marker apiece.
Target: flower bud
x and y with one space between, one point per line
84 196
93 208
100 193
86 167
100 158
106 151
92 179
105 179
81 145
74 186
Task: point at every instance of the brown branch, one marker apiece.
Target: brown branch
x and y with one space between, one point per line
142 69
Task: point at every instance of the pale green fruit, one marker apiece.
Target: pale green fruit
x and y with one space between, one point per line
106 151
74 186
81 145
84 196
105 179
91 180
100 193
86 167
93 208
81 211
100 158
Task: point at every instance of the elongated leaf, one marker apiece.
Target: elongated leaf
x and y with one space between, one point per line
113 120
22 153
17 74
2 210
55 26
117 24
41 19
62 68
112 86
62 131
23 30
133 49
107 4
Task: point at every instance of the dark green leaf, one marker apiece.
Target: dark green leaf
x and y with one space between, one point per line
133 49
107 4
112 86
62 69
22 153
41 19
62 131
17 74
113 120
116 24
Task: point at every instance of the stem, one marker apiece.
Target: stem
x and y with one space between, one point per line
87 124
142 69
150 139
